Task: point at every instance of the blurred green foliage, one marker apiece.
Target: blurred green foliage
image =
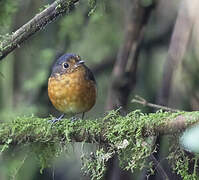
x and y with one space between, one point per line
7 10
93 37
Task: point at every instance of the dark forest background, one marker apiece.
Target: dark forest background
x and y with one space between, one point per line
146 48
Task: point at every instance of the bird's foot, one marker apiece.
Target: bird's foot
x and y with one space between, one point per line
57 119
73 119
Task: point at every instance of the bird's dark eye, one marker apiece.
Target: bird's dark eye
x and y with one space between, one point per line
65 65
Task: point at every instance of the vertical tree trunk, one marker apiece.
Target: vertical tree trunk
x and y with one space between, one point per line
124 71
178 45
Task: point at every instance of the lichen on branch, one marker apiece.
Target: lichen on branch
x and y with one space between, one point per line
127 136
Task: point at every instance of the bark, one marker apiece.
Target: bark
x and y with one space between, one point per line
178 45
124 71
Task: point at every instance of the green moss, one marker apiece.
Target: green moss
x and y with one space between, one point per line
44 7
115 134
125 138
95 163
92 5
180 162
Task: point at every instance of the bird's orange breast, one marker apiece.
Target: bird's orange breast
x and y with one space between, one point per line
72 92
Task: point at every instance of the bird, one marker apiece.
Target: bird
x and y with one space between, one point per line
71 86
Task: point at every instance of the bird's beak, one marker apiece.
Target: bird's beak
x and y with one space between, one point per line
79 63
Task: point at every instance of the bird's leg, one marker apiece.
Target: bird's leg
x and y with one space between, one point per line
76 118
83 114
73 119
57 119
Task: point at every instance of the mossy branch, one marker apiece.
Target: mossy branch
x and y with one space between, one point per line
49 14
33 129
114 134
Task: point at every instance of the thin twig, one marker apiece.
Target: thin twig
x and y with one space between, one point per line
142 101
159 168
19 167
37 23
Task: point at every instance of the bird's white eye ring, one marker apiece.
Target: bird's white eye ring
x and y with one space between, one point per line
78 57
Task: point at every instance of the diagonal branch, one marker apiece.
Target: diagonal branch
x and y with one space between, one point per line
144 102
56 9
